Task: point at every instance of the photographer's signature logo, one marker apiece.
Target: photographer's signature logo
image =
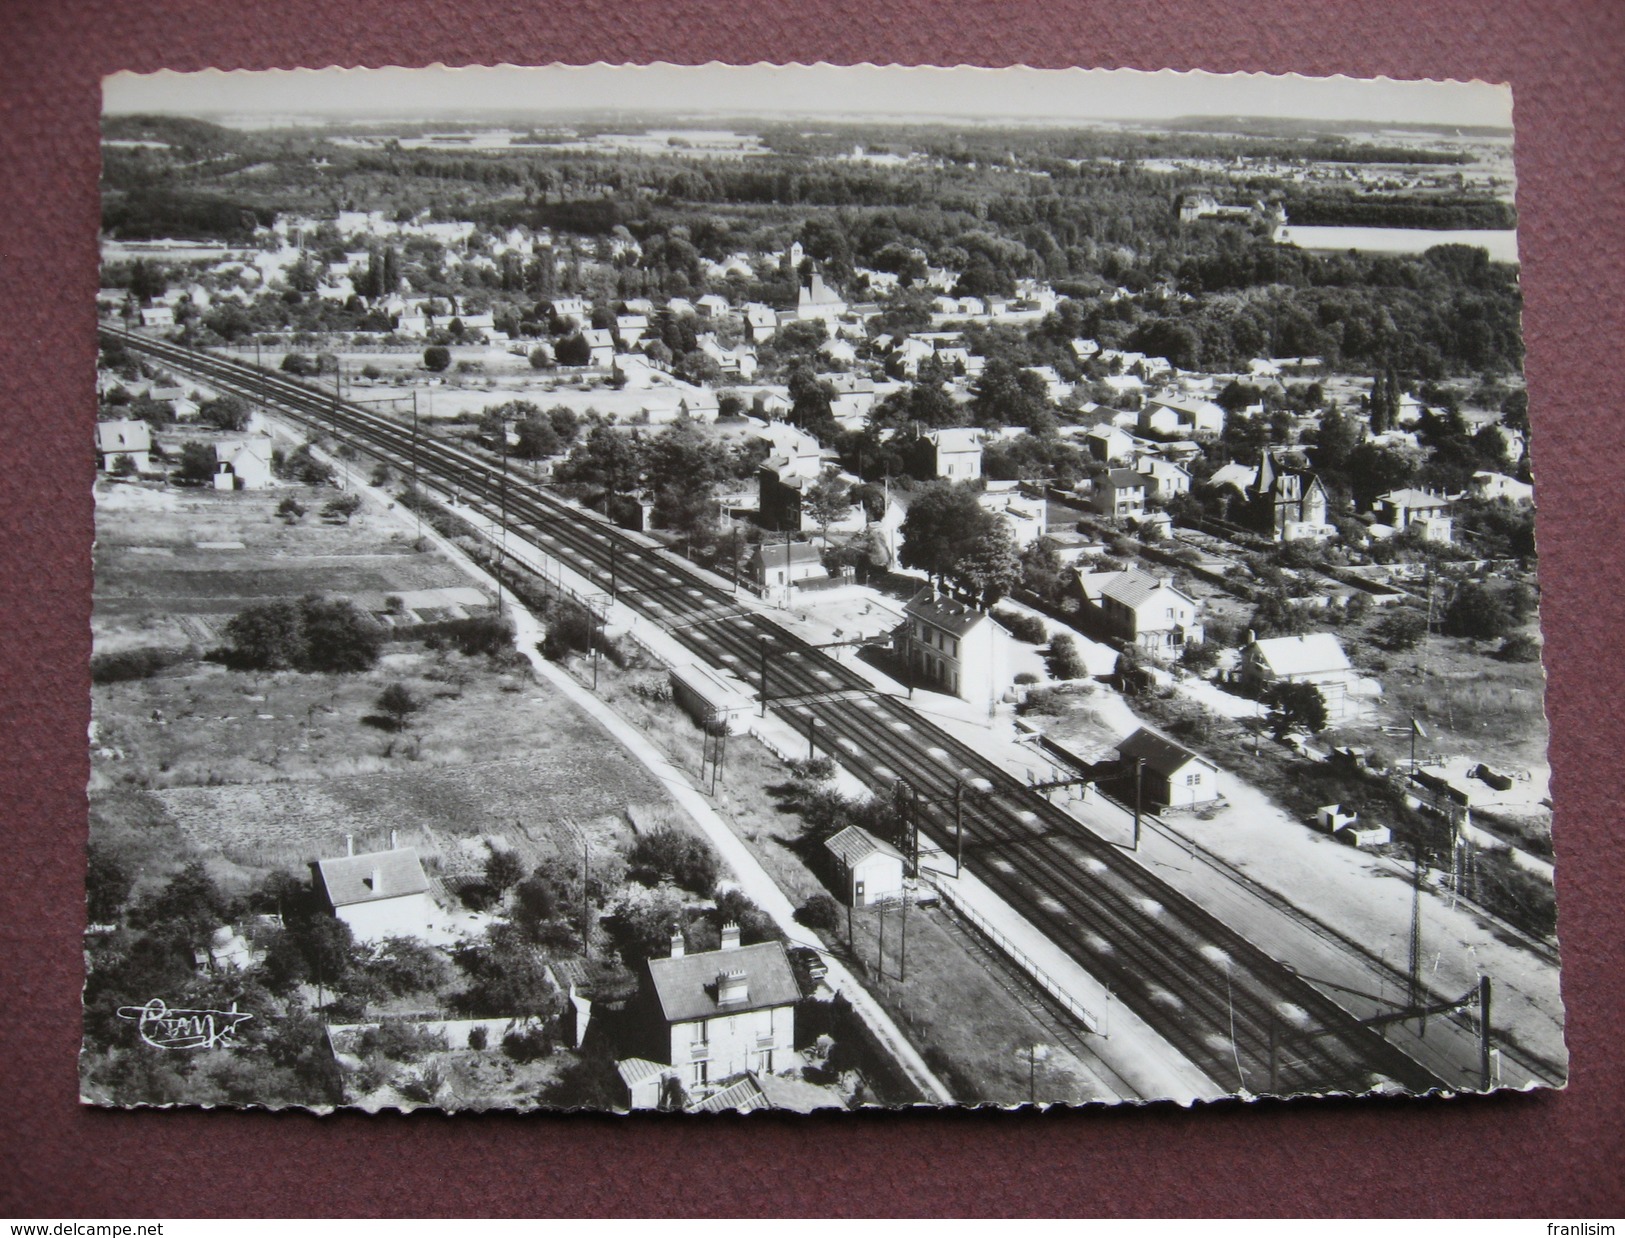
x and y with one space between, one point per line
164 1028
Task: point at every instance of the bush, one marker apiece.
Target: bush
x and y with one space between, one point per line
504 870
313 634
1026 677
1401 628
478 1038
126 665
1022 626
298 366
677 855
436 358
290 509
527 1045
1063 658
820 912
1519 647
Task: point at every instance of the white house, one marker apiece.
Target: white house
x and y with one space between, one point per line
378 894
1169 774
1119 494
868 869
124 440
954 647
1426 512
1316 659
1026 518
719 1013
1487 485
954 454
1146 609
242 464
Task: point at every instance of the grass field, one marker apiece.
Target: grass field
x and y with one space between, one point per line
260 771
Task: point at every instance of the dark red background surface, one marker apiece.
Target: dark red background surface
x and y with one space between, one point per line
1550 1154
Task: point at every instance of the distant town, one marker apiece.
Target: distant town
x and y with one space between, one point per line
789 616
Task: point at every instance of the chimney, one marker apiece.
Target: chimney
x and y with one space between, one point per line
730 936
1251 636
394 840
676 942
349 844
732 988
377 881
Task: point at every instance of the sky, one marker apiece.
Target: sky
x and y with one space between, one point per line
802 90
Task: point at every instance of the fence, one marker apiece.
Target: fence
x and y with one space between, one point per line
1016 955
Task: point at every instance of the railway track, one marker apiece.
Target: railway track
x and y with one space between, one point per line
1245 1020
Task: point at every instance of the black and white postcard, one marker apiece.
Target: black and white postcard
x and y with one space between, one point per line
735 588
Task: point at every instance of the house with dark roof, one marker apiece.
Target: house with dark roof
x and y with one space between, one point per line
716 1014
378 894
777 567
1171 775
1146 609
1119 494
868 870
954 647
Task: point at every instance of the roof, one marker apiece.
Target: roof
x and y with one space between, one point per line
123 436
1241 476
349 878
1136 586
636 1070
1301 655
742 1096
853 845
956 439
1413 498
946 613
1158 751
1124 479
777 554
686 986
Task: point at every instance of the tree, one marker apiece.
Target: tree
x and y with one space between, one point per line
1479 611
196 464
190 906
507 978
108 882
1295 706
573 350
398 703
1009 395
540 358
1041 568
989 566
228 412
436 358
297 365
827 500
405 965
943 522
537 437
1063 658
1400 628
313 634
504 870
290 509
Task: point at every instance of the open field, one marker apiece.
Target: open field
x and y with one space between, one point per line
270 770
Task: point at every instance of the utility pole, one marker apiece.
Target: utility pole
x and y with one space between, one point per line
766 644
1484 1033
1139 780
417 494
959 827
880 963
902 952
